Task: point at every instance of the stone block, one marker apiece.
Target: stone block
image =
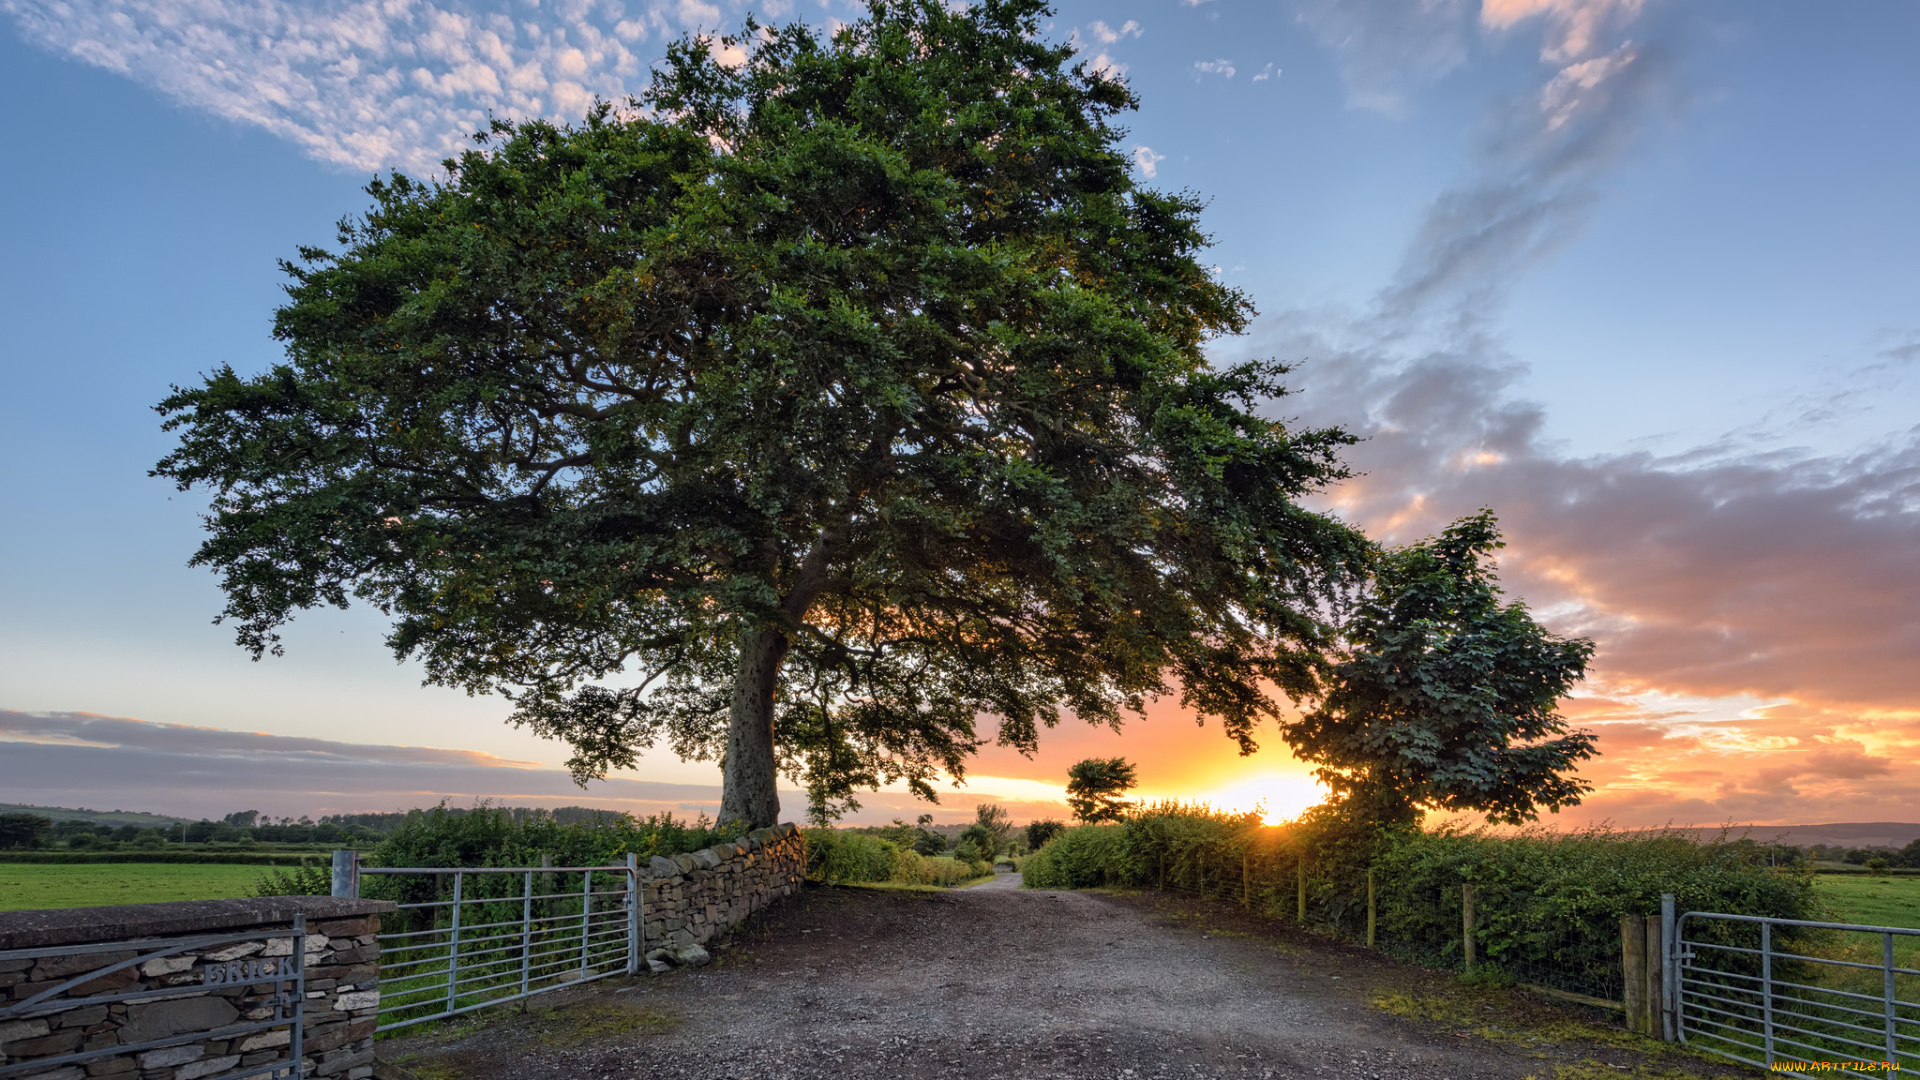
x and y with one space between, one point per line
207 1067
56 968
60 1042
359 999
171 1055
166 965
333 928
80 1018
65 1072
235 952
336 1036
159 1019
14 1030
339 1062
261 1040
111 1067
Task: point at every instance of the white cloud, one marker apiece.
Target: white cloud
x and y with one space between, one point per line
1223 68
1575 27
1097 35
368 84
1268 72
1147 161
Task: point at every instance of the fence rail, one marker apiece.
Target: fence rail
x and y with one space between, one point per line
467 938
1753 990
272 987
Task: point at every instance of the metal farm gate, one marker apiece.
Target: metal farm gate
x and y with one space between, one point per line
467 938
1793 996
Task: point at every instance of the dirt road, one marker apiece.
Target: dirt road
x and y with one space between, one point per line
996 982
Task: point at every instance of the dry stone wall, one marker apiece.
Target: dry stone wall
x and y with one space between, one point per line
691 899
342 986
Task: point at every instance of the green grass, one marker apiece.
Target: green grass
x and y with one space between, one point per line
1892 901
27 885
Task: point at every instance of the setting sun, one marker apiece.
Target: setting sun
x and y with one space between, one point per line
1278 796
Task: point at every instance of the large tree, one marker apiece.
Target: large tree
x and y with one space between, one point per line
800 414
1446 697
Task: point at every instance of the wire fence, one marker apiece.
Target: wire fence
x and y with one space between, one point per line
464 939
1503 936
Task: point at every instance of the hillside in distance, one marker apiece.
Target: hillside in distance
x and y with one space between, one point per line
97 817
1854 834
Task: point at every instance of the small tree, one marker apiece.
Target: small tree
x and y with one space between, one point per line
1095 787
24 830
1039 832
993 825
1446 697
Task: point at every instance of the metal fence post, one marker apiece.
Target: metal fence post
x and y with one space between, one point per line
1466 925
346 874
633 914
1669 970
1886 963
526 932
453 949
1766 986
586 913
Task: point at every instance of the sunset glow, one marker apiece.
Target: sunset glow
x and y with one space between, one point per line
1519 249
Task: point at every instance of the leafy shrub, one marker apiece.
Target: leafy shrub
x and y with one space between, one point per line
847 857
1081 857
836 856
916 869
489 836
1039 832
307 880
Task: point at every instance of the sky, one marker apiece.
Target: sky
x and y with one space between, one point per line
1642 276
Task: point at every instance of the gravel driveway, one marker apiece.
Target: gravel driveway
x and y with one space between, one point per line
992 981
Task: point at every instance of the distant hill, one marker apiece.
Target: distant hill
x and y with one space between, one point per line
97 817
1860 834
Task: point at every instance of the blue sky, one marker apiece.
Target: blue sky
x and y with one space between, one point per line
1642 275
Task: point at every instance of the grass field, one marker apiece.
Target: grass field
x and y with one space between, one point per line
1893 901
28 885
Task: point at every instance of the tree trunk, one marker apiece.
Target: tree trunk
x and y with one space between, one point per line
750 794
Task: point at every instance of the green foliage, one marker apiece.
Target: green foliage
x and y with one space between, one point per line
852 856
489 836
1081 857
859 378
1095 787
941 871
312 879
1039 832
19 830
1546 901
1446 697
1536 888
990 829
837 857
